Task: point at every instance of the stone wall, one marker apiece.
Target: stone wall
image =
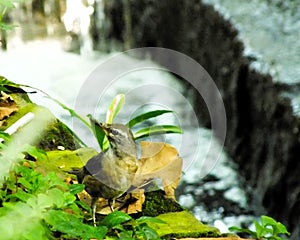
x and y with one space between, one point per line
263 134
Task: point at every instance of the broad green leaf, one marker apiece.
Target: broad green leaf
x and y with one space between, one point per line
156 130
278 228
57 197
99 134
73 227
20 194
69 198
45 201
149 233
261 231
265 220
76 188
126 235
146 116
114 108
281 229
115 218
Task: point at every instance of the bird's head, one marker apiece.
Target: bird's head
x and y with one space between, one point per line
120 138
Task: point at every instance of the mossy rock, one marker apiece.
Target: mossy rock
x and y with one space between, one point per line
157 203
181 225
61 161
56 135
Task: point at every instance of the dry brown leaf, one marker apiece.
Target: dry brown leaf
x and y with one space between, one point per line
7 111
159 160
131 203
136 206
7 106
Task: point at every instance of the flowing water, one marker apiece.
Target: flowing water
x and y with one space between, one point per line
270 31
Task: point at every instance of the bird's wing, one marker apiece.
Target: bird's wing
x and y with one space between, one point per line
94 165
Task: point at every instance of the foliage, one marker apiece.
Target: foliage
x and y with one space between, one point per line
46 207
43 206
267 229
123 226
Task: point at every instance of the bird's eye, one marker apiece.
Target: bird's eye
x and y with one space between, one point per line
114 132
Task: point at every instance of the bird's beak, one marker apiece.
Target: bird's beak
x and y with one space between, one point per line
104 127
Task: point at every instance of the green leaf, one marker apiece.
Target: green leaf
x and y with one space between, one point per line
127 235
281 229
69 198
146 116
7 27
57 197
84 206
72 227
99 134
36 152
25 183
115 107
260 230
145 219
156 130
76 188
265 220
243 230
44 201
115 218
278 228
23 196
149 233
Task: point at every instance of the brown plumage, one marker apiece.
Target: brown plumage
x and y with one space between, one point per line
110 174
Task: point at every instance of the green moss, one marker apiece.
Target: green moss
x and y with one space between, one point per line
61 161
68 159
156 203
183 224
58 134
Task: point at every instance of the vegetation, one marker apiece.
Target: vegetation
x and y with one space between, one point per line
268 228
45 207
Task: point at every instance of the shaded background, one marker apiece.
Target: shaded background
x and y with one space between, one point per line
250 49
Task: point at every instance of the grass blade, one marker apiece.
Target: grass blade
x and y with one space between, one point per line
115 107
145 116
156 130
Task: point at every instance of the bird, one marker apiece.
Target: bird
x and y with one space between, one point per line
110 173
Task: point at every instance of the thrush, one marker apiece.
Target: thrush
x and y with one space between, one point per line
110 174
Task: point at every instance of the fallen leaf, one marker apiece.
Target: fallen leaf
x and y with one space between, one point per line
7 105
159 160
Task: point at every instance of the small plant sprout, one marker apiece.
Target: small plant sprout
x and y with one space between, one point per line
266 229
